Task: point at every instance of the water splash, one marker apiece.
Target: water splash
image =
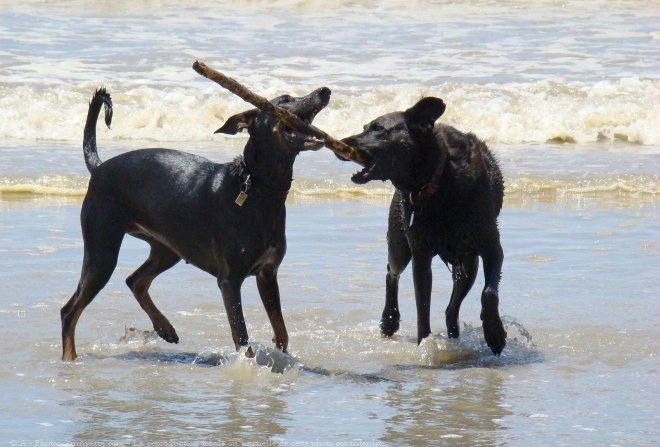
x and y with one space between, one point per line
276 360
134 336
471 350
264 357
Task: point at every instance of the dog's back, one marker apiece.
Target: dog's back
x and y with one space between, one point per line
471 165
164 194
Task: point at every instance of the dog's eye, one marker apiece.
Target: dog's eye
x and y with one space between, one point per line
287 99
376 127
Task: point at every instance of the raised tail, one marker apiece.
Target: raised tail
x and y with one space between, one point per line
101 98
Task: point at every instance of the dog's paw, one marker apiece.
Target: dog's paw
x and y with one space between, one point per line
452 330
167 333
451 320
389 323
494 332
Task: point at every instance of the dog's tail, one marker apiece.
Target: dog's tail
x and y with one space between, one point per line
101 98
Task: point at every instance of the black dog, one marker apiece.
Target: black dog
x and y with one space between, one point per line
449 192
226 219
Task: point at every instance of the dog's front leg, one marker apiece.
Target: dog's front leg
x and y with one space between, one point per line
270 296
398 257
423 279
231 296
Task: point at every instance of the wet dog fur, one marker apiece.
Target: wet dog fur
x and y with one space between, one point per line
184 207
449 192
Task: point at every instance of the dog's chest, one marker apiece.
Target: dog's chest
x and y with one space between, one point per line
254 246
270 253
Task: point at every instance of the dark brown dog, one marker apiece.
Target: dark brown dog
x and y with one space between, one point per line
449 192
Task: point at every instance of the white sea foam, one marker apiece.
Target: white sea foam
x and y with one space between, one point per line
502 113
512 72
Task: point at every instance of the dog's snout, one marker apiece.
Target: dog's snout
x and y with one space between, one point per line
324 93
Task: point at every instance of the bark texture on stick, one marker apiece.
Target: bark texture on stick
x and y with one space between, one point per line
281 114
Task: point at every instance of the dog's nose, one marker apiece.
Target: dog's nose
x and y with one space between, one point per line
324 93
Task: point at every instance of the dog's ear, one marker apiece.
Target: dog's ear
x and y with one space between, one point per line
238 122
426 111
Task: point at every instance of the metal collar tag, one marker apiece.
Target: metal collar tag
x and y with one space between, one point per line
242 196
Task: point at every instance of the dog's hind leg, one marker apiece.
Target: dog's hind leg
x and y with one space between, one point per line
160 259
463 277
399 256
494 332
102 235
270 296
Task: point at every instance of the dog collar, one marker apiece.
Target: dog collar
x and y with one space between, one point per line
246 183
429 189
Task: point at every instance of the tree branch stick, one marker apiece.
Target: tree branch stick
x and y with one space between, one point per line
279 113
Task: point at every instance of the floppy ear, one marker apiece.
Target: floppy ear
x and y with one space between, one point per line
426 111
238 122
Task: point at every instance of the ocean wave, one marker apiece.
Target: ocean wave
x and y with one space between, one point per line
306 190
626 184
49 185
542 111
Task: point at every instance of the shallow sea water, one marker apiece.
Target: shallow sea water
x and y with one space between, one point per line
567 98
577 292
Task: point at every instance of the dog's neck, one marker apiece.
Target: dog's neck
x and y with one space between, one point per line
435 162
268 167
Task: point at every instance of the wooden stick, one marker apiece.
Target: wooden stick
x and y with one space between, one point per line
281 114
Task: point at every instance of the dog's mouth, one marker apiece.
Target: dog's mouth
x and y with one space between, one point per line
306 109
366 174
297 138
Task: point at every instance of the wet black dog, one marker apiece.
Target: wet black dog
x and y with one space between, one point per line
449 192
226 219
